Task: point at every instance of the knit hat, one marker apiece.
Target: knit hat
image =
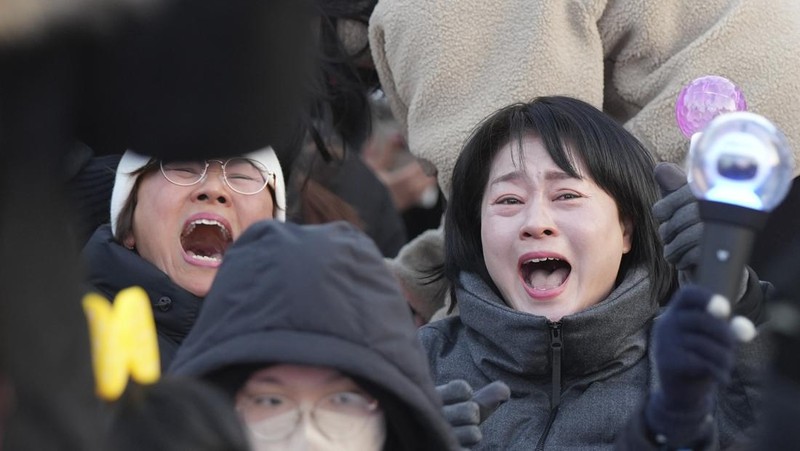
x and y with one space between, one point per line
132 161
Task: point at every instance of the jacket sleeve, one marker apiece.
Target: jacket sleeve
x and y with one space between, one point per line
415 268
445 65
433 342
741 403
752 304
652 49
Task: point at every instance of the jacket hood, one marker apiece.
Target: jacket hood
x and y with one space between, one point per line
315 295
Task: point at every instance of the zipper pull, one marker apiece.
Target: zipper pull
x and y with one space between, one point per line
556 347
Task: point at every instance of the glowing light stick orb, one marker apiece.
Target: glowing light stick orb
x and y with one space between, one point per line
741 159
704 99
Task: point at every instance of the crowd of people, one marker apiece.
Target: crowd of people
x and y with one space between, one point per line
467 231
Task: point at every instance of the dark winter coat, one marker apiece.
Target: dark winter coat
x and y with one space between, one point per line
112 267
575 383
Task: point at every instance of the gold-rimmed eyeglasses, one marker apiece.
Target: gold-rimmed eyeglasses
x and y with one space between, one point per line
242 175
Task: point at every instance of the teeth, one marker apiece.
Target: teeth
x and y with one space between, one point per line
208 222
537 260
213 258
545 277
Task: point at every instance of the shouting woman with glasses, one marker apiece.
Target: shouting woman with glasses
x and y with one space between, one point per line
322 352
171 224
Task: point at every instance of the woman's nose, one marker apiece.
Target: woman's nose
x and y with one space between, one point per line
308 437
538 221
213 187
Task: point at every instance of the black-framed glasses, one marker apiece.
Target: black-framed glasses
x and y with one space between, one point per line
272 417
242 175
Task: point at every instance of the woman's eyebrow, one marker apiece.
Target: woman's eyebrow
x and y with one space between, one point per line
508 177
558 175
517 175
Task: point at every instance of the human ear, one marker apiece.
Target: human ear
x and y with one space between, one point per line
627 235
129 241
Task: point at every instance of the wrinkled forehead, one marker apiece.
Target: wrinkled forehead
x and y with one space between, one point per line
562 150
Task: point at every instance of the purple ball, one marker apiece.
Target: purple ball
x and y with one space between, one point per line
704 99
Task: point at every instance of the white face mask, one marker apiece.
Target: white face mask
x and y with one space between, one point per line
307 436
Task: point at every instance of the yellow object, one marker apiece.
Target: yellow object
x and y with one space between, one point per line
124 342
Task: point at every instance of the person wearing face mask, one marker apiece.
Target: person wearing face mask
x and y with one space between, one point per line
556 266
171 225
289 406
322 352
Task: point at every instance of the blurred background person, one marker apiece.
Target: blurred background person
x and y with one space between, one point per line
414 191
330 166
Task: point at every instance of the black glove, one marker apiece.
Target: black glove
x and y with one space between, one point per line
694 351
465 410
678 214
680 226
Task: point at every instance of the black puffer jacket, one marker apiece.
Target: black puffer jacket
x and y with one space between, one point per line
112 268
319 295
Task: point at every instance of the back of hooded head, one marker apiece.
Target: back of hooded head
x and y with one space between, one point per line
320 296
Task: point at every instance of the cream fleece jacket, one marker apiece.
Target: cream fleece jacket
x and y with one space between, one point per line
447 64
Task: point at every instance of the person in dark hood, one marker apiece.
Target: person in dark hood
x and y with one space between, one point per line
308 332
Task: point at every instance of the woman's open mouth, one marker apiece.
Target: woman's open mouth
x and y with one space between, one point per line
205 241
544 274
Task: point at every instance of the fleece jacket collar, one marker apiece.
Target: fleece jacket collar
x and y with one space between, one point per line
598 342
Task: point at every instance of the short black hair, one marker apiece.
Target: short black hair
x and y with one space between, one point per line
570 130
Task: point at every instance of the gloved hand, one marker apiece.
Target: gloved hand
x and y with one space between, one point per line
678 214
465 410
694 351
680 226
